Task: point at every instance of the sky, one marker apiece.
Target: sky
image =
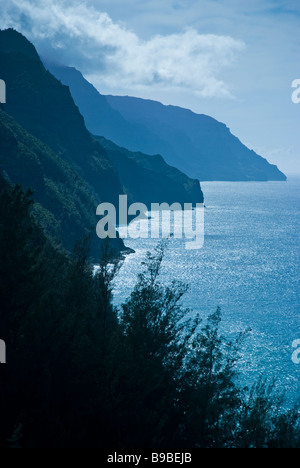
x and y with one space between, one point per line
234 60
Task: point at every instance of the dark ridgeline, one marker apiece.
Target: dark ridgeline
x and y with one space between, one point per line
197 144
45 145
79 373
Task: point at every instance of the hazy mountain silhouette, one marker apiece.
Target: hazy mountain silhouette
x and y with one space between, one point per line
203 146
100 118
197 144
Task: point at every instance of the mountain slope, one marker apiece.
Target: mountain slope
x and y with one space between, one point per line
145 178
45 108
65 206
150 178
197 144
45 145
100 118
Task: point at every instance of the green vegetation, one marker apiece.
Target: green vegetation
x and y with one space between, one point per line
66 204
150 179
80 373
45 145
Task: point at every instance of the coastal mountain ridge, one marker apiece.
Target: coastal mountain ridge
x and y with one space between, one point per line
196 144
46 145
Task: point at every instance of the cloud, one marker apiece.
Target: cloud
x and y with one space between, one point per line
80 35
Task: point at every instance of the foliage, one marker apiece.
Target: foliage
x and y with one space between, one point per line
80 373
66 203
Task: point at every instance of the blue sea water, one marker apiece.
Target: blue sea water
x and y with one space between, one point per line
248 265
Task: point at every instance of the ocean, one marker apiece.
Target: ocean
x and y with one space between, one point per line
248 265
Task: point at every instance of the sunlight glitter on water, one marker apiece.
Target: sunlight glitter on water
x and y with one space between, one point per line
249 265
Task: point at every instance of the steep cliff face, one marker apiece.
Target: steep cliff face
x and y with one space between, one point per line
45 108
143 177
45 145
100 117
65 205
150 179
203 146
